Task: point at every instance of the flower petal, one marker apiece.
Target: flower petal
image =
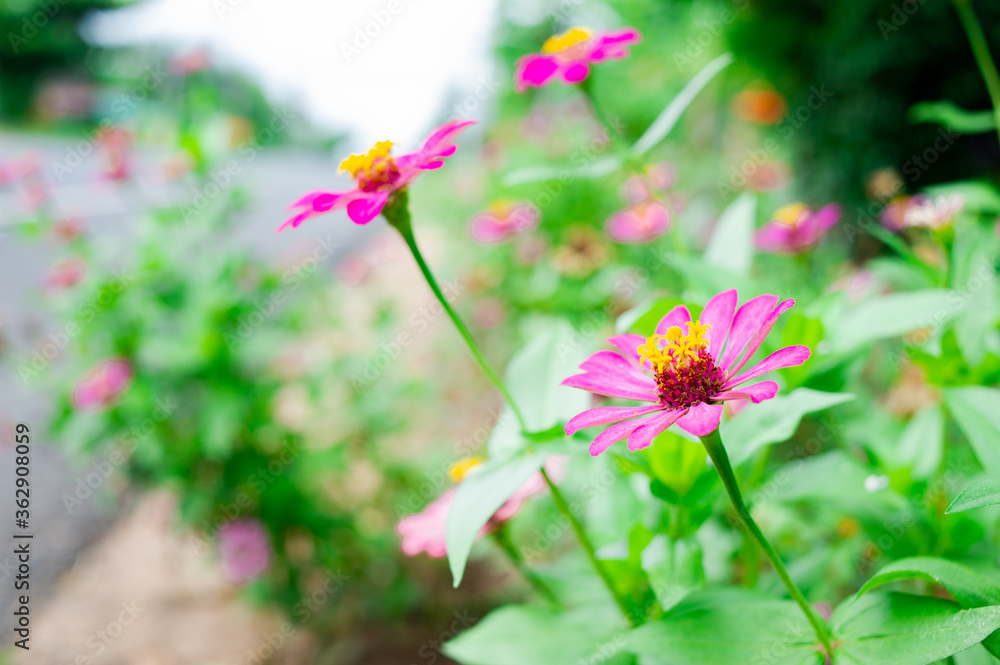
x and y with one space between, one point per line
487 228
614 45
364 210
789 356
774 237
318 203
628 345
604 415
610 386
718 314
701 419
641 437
746 323
678 316
758 392
762 333
611 363
575 72
616 433
639 223
537 70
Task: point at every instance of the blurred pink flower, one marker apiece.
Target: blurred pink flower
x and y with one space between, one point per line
245 550
65 274
687 380
647 216
426 531
503 220
116 145
378 176
190 62
769 176
639 223
568 56
102 385
935 213
67 229
353 270
795 228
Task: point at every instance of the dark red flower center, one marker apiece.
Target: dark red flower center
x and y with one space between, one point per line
687 383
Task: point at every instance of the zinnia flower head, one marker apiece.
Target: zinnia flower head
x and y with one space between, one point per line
795 228
646 217
245 550
377 176
426 531
685 370
933 213
102 385
503 220
568 56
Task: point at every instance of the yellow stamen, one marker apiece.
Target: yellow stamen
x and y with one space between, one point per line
458 470
356 163
790 214
680 346
570 38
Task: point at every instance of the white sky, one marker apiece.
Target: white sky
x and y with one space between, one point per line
395 87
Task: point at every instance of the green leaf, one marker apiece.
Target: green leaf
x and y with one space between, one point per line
724 627
477 497
951 116
891 316
976 409
921 446
832 476
595 169
903 629
731 246
535 372
519 635
968 587
982 491
774 421
673 111
673 567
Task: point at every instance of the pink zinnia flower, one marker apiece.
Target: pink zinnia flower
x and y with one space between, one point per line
426 531
503 220
795 228
102 385
245 550
378 176
568 56
686 380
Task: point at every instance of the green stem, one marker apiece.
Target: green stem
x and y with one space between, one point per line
397 213
715 449
502 538
588 547
981 50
